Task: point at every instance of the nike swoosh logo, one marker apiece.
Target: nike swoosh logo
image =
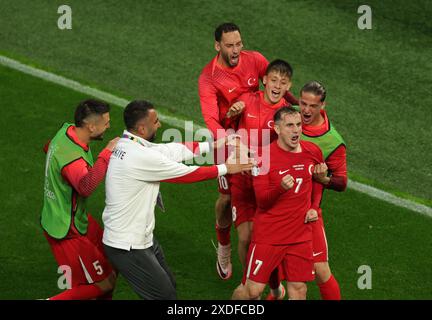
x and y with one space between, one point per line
231 90
251 116
316 254
282 172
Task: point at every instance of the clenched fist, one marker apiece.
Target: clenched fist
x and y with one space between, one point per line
235 109
311 215
320 173
287 182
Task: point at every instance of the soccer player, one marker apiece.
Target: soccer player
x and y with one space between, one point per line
70 177
255 129
136 168
288 202
230 73
318 129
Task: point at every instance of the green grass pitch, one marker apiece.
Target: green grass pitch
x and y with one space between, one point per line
361 231
378 97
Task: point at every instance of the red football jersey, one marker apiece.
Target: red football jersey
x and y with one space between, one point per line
220 86
258 115
279 219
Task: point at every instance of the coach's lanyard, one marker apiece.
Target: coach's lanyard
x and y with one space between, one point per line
159 200
135 139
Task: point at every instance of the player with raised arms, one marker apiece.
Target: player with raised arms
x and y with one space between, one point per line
232 72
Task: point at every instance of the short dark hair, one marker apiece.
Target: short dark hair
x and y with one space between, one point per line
281 66
315 88
135 111
283 111
224 28
88 108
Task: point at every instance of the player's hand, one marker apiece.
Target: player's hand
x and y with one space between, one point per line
287 182
229 140
238 149
112 144
233 168
235 109
311 215
320 173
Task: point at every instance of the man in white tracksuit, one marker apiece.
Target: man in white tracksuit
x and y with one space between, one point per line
136 168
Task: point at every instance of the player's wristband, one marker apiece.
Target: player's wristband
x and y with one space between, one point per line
205 147
222 170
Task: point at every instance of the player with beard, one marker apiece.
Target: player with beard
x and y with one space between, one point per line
136 169
232 72
70 177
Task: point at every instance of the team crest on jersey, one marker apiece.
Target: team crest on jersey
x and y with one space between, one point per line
252 81
270 124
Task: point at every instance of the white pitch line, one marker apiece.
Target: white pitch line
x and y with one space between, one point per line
390 198
173 121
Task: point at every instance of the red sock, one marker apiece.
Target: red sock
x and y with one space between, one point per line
223 235
81 292
274 279
330 290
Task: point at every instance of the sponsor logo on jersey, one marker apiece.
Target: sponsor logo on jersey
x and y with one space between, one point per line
298 167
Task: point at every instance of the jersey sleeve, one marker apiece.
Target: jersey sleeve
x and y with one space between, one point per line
182 151
266 193
317 192
85 179
177 152
201 174
337 165
153 166
209 105
261 64
317 188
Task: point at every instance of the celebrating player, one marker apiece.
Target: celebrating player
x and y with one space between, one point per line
230 73
70 177
288 200
318 129
255 129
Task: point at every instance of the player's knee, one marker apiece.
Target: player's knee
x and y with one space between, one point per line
244 236
297 291
254 292
224 200
108 284
240 293
322 272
